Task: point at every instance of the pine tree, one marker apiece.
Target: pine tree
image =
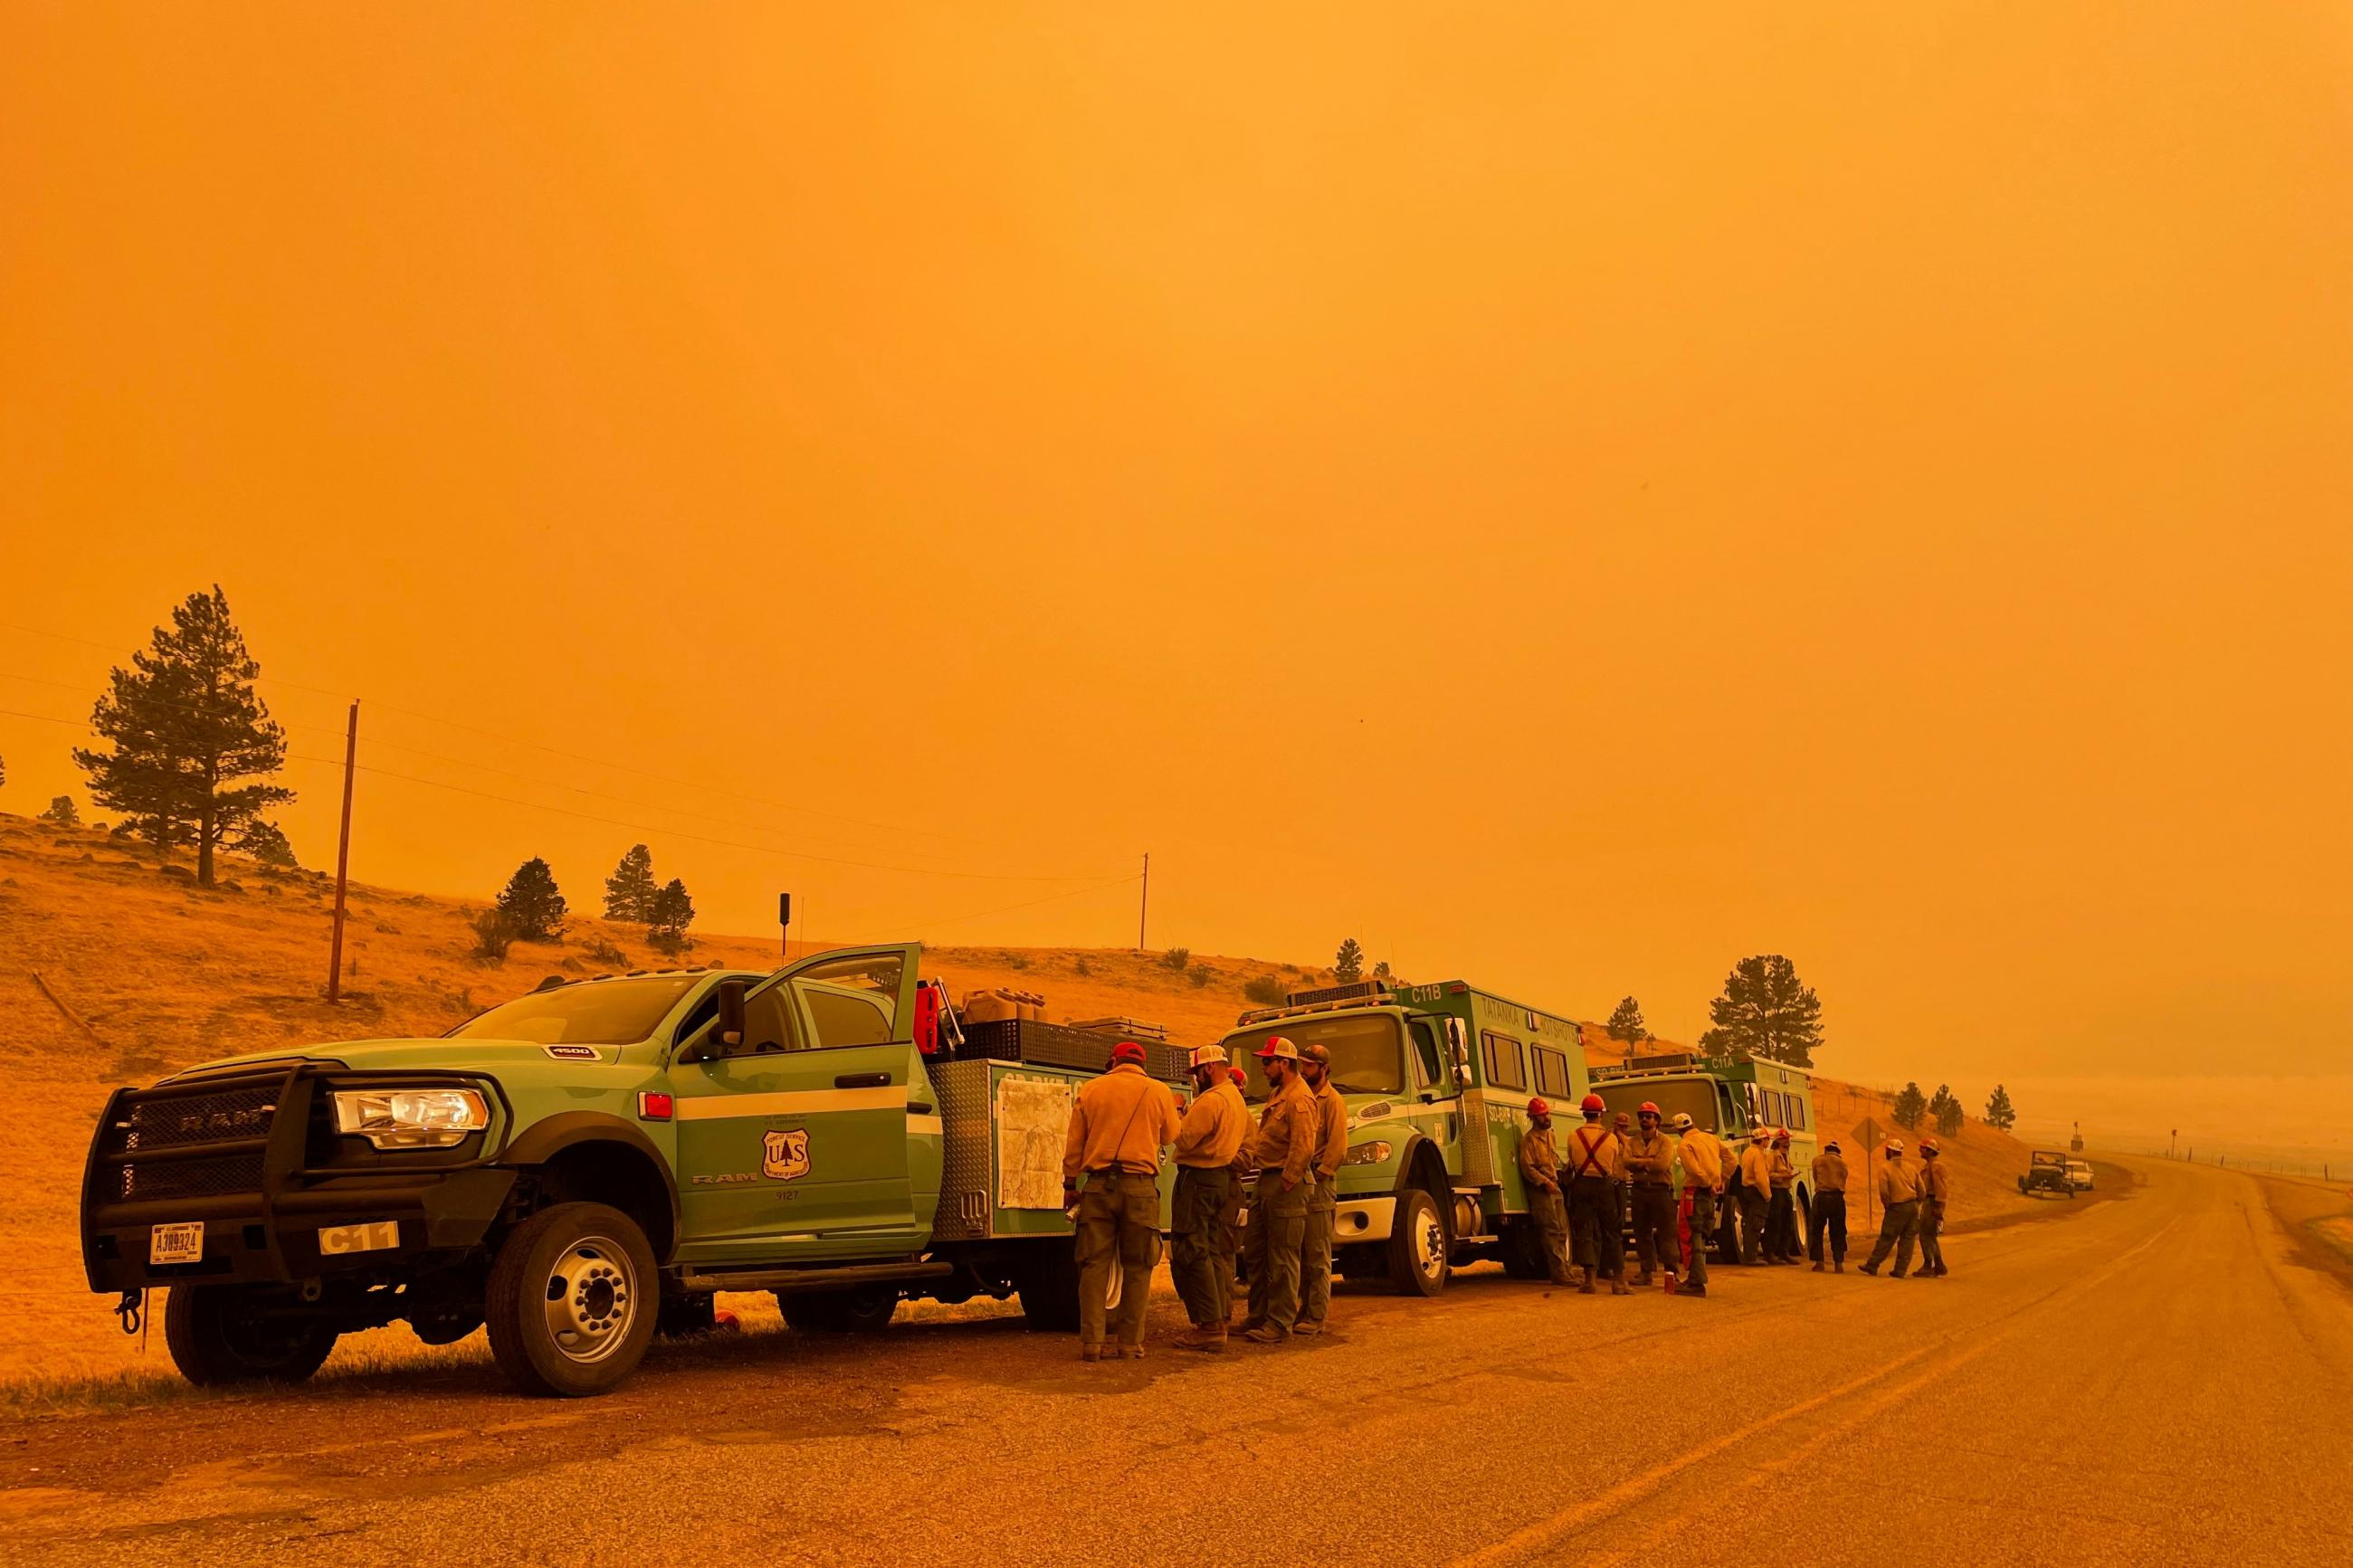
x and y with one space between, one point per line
629 891
1911 1106
267 843
62 813
672 912
533 908
1349 966
1766 1012
1626 1026
2000 1115
184 723
1947 1109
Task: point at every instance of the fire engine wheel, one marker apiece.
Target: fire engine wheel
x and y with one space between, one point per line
1418 1249
216 1336
573 1300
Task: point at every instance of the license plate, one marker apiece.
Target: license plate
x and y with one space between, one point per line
373 1236
182 1243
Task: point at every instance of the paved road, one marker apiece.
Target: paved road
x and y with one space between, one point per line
2154 1380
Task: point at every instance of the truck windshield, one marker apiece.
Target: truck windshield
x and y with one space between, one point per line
599 1013
1694 1096
1368 1052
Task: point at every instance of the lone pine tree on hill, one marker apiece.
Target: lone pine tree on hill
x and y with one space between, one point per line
672 912
1766 1012
2000 1114
1349 967
63 812
534 909
629 891
183 724
1911 1106
1626 1026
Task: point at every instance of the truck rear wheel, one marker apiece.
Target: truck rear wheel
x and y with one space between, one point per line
216 1336
856 1311
573 1300
1417 1247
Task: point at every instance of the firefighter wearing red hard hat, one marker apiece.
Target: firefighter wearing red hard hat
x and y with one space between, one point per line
1595 1159
1323 1190
1651 1166
1898 1186
1540 1174
1936 1183
1288 1132
1119 1124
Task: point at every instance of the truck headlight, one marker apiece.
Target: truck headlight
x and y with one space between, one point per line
1375 1152
411 1118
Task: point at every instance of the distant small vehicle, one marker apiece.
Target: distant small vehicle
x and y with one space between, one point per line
2047 1173
2079 1174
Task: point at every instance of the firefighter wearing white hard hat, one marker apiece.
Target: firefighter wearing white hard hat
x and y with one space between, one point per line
1539 1163
1898 1186
1201 1245
1650 1167
1701 1154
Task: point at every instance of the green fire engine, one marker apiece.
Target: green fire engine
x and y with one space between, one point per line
1437 1080
1730 1096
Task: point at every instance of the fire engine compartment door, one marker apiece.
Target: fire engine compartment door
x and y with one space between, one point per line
811 1139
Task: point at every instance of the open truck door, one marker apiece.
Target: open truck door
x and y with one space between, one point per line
812 1133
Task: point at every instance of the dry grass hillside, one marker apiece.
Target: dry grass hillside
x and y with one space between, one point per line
113 971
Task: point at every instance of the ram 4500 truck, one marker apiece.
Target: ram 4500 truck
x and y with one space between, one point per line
1437 1080
584 1162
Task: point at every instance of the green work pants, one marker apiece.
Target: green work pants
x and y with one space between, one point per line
1119 1228
1201 1249
1272 1245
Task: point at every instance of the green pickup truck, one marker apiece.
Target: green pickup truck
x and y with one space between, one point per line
590 1162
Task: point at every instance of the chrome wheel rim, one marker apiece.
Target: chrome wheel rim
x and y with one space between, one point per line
1430 1244
591 1299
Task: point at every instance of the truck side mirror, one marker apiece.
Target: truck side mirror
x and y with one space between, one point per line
731 1013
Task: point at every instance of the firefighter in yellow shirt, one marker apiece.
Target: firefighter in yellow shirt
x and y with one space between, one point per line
1594 1160
1899 1202
1324 1196
1701 1154
1540 1174
1119 1124
1935 1185
1756 1194
1289 1134
1202 1254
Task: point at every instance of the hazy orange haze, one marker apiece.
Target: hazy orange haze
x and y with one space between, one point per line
1571 495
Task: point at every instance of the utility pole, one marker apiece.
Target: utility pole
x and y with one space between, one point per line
343 855
1144 904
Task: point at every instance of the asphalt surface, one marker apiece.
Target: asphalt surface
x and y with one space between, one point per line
2161 1378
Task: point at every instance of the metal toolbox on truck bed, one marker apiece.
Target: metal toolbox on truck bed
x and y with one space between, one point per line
1003 1126
1062 1046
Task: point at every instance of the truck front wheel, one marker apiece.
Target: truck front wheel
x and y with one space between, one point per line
573 1300
1417 1247
223 1333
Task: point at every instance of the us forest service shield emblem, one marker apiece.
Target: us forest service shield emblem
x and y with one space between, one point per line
784 1154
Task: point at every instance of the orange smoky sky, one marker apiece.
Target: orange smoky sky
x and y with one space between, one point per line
1571 495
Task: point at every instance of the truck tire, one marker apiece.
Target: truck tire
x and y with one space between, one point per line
854 1312
215 1339
572 1301
1050 1292
1419 1263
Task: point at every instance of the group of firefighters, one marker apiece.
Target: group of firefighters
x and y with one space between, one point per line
1576 1197
1577 1194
